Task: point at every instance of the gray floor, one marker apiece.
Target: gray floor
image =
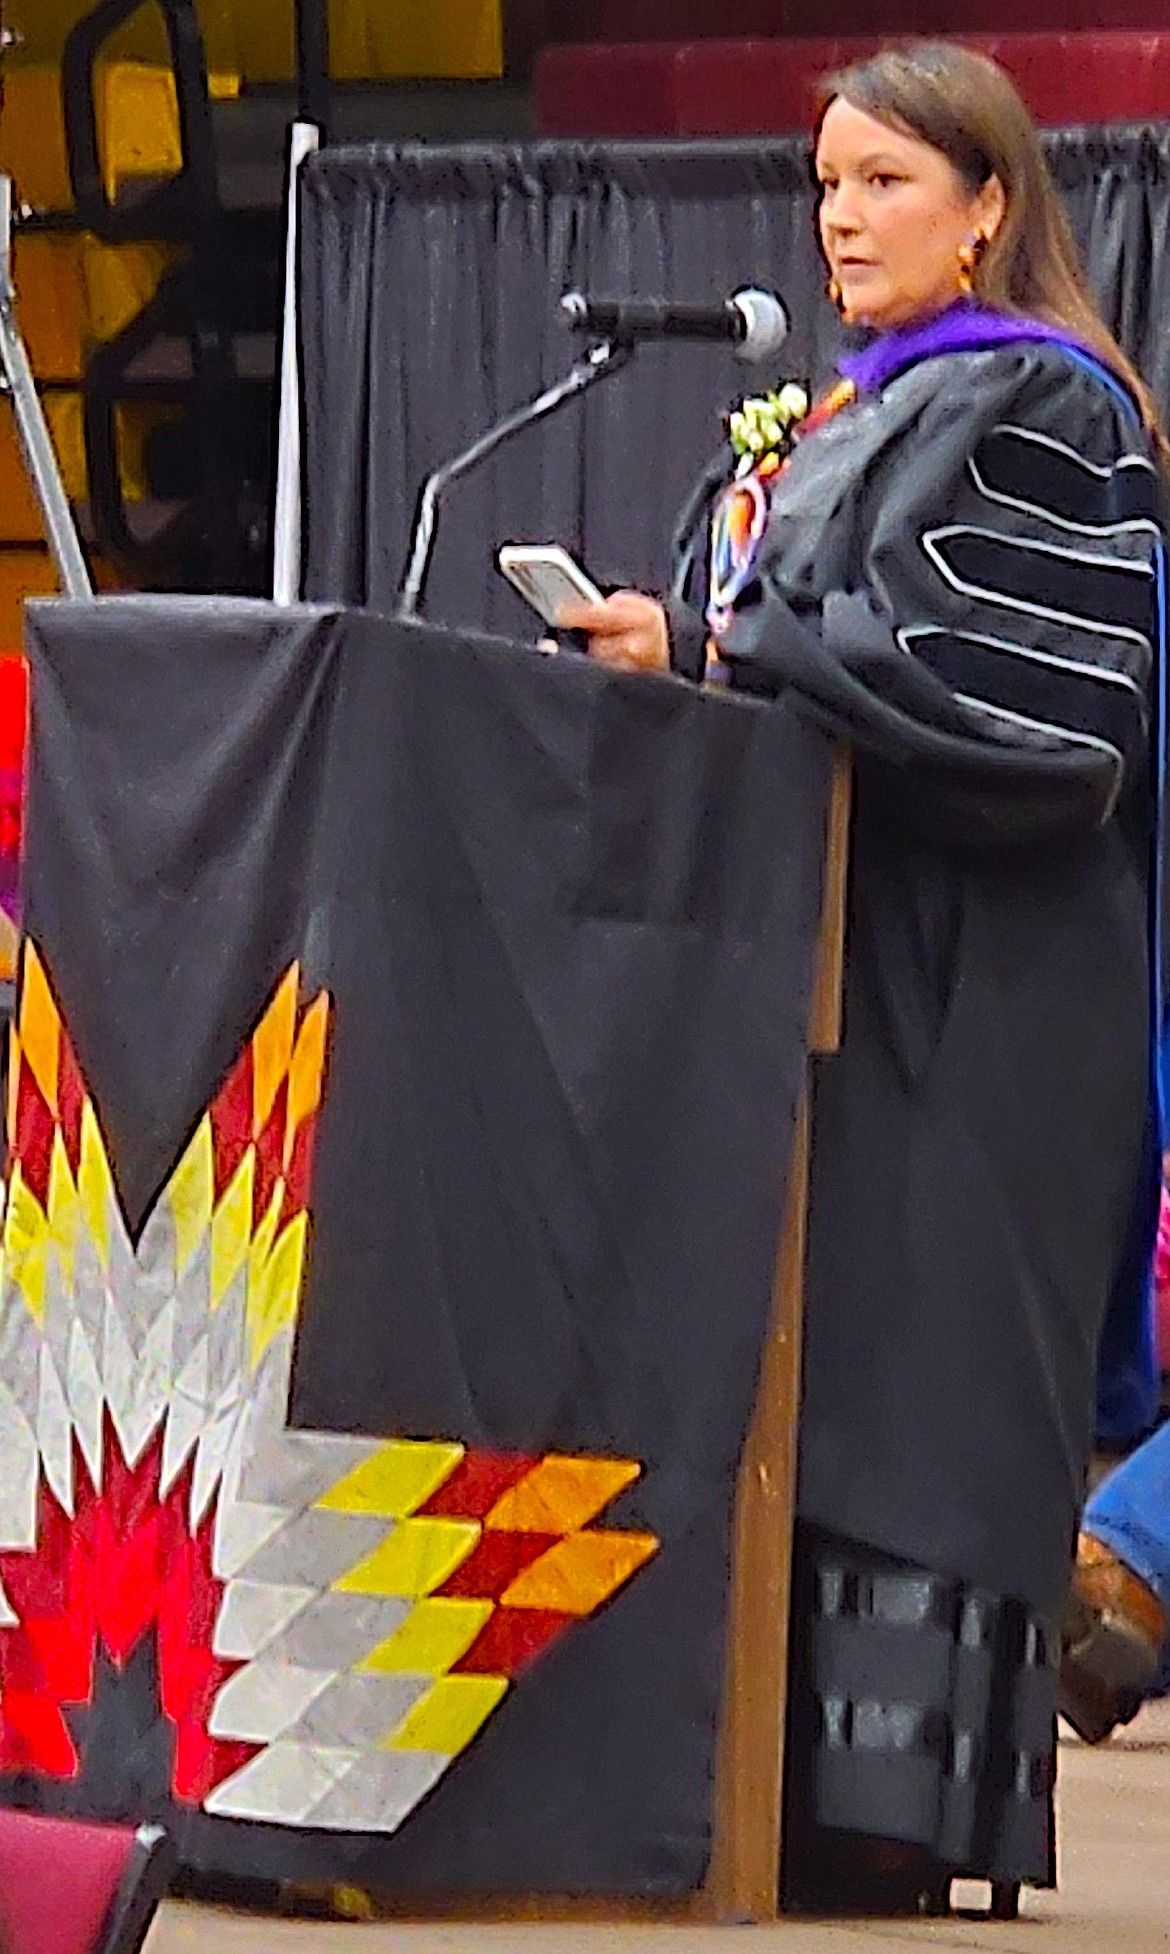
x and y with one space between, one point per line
1114 1893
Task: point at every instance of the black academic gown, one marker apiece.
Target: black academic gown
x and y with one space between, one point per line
960 578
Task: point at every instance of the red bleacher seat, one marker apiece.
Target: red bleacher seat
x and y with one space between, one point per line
68 1886
766 87
758 20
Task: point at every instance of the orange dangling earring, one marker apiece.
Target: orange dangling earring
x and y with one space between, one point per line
834 292
969 256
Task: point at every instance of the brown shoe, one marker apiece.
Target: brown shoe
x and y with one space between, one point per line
1112 1638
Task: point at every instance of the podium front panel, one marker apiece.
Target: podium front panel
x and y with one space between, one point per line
409 1045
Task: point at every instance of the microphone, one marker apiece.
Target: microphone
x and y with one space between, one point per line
753 322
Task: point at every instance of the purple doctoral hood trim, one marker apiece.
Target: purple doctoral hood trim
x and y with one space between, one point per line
962 328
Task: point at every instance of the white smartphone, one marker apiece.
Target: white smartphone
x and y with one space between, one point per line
547 577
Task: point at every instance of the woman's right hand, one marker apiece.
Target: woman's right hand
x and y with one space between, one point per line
627 631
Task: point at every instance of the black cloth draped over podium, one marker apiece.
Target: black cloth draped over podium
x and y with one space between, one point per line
565 922
429 285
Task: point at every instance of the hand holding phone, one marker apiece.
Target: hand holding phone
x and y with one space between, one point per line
627 630
547 577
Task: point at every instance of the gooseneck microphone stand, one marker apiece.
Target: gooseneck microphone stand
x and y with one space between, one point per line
597 365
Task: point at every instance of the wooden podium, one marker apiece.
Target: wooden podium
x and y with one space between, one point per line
743 1883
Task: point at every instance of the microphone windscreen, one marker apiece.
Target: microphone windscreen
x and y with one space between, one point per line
765 325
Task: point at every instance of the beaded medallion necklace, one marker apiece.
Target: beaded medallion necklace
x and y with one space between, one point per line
740 515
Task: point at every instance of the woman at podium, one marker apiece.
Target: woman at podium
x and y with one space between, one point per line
957 568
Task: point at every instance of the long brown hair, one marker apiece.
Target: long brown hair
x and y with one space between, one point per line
966 107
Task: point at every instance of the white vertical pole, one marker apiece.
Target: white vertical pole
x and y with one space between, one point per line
304 138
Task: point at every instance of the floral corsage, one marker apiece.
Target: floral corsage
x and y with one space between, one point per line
762 427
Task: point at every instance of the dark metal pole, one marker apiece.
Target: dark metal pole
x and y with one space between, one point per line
313 78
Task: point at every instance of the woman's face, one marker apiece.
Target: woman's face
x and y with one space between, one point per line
893 216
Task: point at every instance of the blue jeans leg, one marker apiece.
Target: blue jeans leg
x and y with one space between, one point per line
1130 1512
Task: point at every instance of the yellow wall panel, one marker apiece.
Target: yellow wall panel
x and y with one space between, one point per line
135 422
20 518
72 290
32 137
138 129
217 19
44 25
138 122
385 39
370 39
23 573
118 280
67 429
262 39
51 303
456 38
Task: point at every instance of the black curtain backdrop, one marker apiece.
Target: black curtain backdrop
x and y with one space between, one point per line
430 279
